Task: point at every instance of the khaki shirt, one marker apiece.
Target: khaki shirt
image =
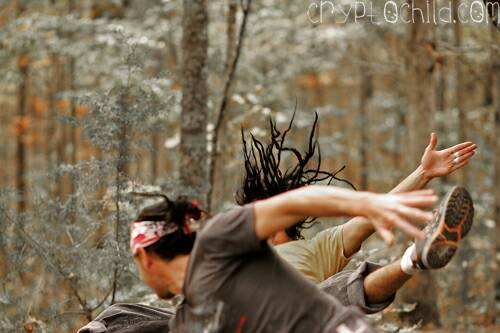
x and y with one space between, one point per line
317 258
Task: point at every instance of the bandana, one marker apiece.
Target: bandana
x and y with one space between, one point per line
145 233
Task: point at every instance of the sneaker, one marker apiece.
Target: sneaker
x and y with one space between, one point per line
452 221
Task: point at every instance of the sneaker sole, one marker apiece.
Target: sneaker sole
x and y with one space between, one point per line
455 222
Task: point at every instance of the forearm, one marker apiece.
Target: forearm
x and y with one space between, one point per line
417 180
285 210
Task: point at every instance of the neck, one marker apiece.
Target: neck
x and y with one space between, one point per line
175 273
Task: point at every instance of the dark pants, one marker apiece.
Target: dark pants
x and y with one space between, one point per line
130 318
137 318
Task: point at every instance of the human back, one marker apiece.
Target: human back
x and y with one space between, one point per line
245 285
317 258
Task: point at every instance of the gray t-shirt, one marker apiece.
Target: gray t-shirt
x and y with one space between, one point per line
237 283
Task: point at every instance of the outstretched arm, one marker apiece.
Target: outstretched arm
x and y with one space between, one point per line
385 211
434 164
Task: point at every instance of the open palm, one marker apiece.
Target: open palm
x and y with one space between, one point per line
438 163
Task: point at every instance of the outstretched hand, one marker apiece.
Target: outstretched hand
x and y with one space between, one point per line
386 211
438 163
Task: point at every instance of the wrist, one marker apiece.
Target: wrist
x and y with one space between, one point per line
365 203
423 173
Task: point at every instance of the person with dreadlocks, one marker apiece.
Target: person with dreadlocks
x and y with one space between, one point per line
231 278
164 238
322 258
318 259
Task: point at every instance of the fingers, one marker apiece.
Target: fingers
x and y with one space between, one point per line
466 150
427 191
465 156
385 233
402 224
418 199
414 214
454 161
463 159
459 147
460 165
433 141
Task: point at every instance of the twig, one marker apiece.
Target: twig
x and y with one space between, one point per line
42 252
102 301
225 98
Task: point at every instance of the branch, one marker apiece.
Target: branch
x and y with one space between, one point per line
43 253
102 301
225 98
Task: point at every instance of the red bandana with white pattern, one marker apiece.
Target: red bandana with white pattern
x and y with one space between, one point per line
145 233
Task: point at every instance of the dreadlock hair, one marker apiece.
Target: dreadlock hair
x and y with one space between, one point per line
264 177
179 242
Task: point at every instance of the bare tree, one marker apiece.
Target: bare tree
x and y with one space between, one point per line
217 155
193 145
232 58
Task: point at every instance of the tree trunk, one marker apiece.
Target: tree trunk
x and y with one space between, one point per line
155 141
156 137
421 97
61 127
421 105
366 93
193 145
218 154
73 129
495 58
398 74
51 129
441 101
231 34
221 115
21 127
459 96
121 173
465 251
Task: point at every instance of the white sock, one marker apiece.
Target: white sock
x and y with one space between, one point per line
407 265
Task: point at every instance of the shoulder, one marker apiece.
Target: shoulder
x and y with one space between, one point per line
223 222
